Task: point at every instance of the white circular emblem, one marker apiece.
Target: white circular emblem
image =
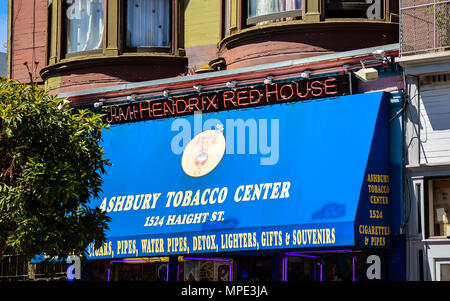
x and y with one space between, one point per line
203 153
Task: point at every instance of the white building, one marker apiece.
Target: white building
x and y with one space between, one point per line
425 57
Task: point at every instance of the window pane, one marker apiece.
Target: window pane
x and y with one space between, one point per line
148 23
84 24
227 17
445 272
265 7
367 9
441 207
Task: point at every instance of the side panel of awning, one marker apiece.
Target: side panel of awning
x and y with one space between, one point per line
373 220
294 180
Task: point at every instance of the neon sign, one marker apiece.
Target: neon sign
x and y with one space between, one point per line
227 100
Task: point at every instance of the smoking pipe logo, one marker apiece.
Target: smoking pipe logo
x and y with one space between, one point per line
204 152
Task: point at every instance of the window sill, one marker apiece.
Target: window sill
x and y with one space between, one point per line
83 53
152 49
433 239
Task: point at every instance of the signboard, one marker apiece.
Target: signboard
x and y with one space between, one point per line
288 176
227 100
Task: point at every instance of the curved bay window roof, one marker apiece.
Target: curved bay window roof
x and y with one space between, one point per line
111 35
254 31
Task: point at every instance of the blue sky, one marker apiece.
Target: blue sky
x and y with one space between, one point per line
3 24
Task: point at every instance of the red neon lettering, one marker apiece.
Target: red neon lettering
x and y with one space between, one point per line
211 102
232 99
268 93
135 112
130 112
242 97
225 98
282 94
299 92
121 114
314 87
167 106
327 86
157 109
148 110
112 115
251 96
192 105
178 109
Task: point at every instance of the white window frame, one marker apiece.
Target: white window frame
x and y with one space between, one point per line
431 210
437 266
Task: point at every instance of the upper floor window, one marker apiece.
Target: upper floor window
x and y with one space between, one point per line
367 9
271 10
148 23
84 25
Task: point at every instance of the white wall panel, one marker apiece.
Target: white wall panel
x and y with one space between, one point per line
435 124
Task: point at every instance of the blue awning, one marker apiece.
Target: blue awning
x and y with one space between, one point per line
311 174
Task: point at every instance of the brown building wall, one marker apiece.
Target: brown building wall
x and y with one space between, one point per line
296 41
29 38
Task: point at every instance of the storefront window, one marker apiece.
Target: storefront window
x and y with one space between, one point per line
148 23
302 268
367 9
273 10
323 267
340 268
84 25
154 269
255 268
440 205
204 269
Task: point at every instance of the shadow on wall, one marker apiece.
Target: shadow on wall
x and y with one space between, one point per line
436 111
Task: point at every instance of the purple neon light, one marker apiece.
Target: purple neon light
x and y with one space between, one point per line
319 251
284 269
131 260
109 273
301 255
353 262
167 275
231 271
201 258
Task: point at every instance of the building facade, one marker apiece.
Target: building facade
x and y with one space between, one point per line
425 57
250 140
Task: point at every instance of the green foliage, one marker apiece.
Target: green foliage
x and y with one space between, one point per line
50 167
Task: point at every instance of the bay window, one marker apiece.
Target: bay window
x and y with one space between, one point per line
271 10
148 23
100 28
84 25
